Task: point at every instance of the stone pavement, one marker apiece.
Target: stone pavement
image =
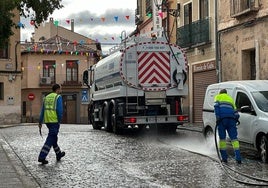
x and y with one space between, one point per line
13 173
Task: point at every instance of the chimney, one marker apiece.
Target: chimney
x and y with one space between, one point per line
72 25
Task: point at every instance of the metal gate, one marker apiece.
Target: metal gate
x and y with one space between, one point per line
200 82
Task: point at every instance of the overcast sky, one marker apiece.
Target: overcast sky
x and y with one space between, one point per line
99 20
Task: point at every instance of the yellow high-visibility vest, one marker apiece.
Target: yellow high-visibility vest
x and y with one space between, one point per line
50 105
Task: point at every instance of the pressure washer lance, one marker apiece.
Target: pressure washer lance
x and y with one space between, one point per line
40 129
224 166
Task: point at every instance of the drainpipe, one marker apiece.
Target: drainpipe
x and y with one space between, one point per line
218 61
257 59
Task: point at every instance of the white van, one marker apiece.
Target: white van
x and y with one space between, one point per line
251 99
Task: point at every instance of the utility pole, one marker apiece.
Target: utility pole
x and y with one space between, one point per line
157 20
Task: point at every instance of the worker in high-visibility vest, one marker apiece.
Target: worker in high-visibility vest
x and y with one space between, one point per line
227 117
51 114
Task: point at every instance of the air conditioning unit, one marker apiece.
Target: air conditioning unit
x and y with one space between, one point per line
45 80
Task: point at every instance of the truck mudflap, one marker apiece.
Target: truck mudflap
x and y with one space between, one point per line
138 120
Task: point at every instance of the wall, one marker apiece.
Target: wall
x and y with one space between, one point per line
10 111
240 35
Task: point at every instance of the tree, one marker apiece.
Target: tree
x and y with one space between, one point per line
38 10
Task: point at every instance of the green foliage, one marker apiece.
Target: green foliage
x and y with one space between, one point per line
41 9
6 22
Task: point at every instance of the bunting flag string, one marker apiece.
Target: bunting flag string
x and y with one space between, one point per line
57 64
91 19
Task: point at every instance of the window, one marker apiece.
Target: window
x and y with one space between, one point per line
71 72
203 6
49 70
239 7
242 100
4 52
261 99
1 91
188 14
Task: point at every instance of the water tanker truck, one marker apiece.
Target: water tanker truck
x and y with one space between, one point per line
141 84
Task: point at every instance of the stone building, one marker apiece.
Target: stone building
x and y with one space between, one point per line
243 38
10 78
57 55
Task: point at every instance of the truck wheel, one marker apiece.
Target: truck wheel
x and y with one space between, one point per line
263 149
172 128
115 122
107 119
96 125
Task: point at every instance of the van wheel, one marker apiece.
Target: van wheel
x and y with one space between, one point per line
263 149
209 133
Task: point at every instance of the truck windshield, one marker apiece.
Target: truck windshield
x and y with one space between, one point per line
261 99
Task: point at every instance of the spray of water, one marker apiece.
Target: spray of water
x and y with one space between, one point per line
193 143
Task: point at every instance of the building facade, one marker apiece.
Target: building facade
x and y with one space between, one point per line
10 78
243 37
61 59
196 34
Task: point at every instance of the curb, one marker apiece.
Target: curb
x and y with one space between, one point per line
19 124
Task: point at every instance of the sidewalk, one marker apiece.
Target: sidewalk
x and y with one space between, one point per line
197 127
13 173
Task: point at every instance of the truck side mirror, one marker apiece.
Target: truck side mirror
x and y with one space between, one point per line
85 77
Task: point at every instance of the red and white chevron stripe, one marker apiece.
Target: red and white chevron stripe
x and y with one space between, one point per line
153 68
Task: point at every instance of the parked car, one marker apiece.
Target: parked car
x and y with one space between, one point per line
251 99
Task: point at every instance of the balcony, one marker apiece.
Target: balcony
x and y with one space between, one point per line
60 79
243 7
72 83
195 34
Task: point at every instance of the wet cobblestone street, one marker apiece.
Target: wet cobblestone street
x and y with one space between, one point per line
100 159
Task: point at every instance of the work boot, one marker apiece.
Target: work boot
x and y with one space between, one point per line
224 161
43 161
62 154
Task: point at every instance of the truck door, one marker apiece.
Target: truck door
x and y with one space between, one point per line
246 119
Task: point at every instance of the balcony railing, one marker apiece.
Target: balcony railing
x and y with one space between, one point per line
195 34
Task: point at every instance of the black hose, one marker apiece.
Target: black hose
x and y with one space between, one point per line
224 166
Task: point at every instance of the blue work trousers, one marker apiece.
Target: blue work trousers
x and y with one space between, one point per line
229 125
51 140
